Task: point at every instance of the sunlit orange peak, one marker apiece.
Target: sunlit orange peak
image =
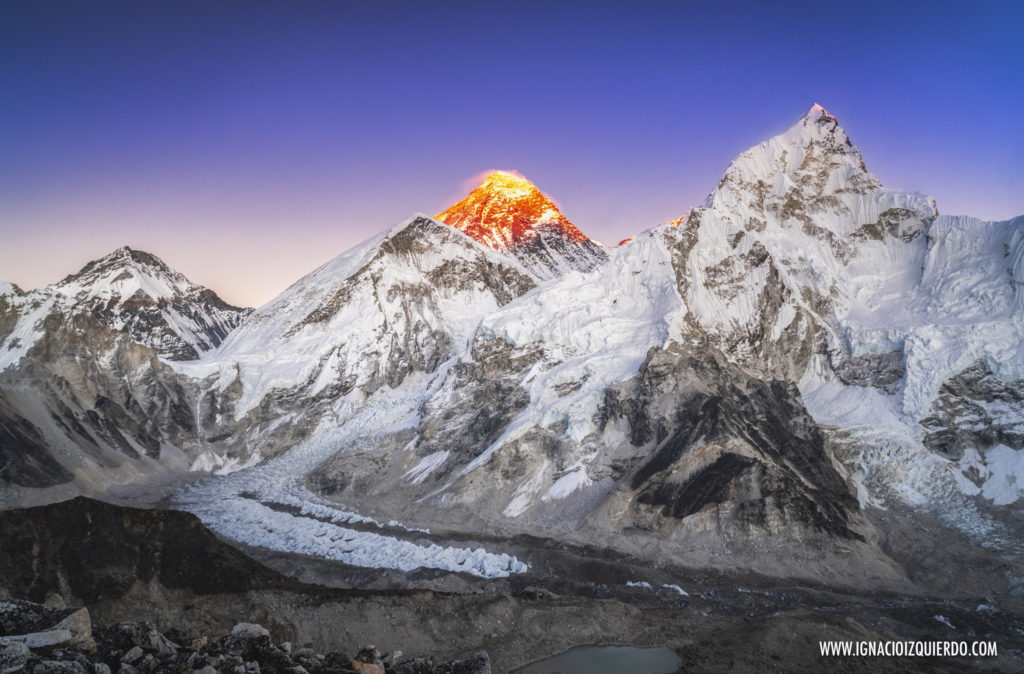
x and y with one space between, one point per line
678 221
505 180
507 176
818 108
507 210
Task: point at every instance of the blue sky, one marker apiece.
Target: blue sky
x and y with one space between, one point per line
248 142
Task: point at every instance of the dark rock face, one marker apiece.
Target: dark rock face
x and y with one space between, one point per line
975 409
90 551
903 223
24 455
741 450
883 371
100 392
491 375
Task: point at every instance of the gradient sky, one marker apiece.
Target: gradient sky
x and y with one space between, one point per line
245 143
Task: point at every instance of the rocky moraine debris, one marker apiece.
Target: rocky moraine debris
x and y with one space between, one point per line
52 639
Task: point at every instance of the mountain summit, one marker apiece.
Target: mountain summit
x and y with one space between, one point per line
509 214
130 291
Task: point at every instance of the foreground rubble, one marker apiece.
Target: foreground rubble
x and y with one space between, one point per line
52 639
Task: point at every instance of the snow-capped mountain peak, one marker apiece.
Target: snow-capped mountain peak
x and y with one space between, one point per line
123 274
811 177
816 111
136 293
509 214
505 211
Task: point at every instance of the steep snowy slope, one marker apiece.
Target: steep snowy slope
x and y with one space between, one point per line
401 303
84 394
509 214
802 266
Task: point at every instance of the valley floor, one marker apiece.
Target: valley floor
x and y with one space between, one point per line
715 621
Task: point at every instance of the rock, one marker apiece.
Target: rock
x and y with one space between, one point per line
127 669
480 663
286 647
45 639
101 668
205 670
367 668
392 658
245 639
59 667
532 592
250 629
13 657
415 666
335 660
133 654
80 625
161 644
25 617
370 655
198 644
124 636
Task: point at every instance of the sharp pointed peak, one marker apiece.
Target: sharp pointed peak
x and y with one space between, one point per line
817 112
505 210
129 255
123 259
503 174
510 184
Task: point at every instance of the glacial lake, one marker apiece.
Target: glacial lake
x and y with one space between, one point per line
607 660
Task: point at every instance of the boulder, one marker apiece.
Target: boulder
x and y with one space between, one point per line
250 629
13 657
25 617
80 625
59 667
367 668
44 639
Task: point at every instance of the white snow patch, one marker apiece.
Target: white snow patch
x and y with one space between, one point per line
426 466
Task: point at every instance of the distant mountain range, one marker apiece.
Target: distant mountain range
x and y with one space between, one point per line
804 345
